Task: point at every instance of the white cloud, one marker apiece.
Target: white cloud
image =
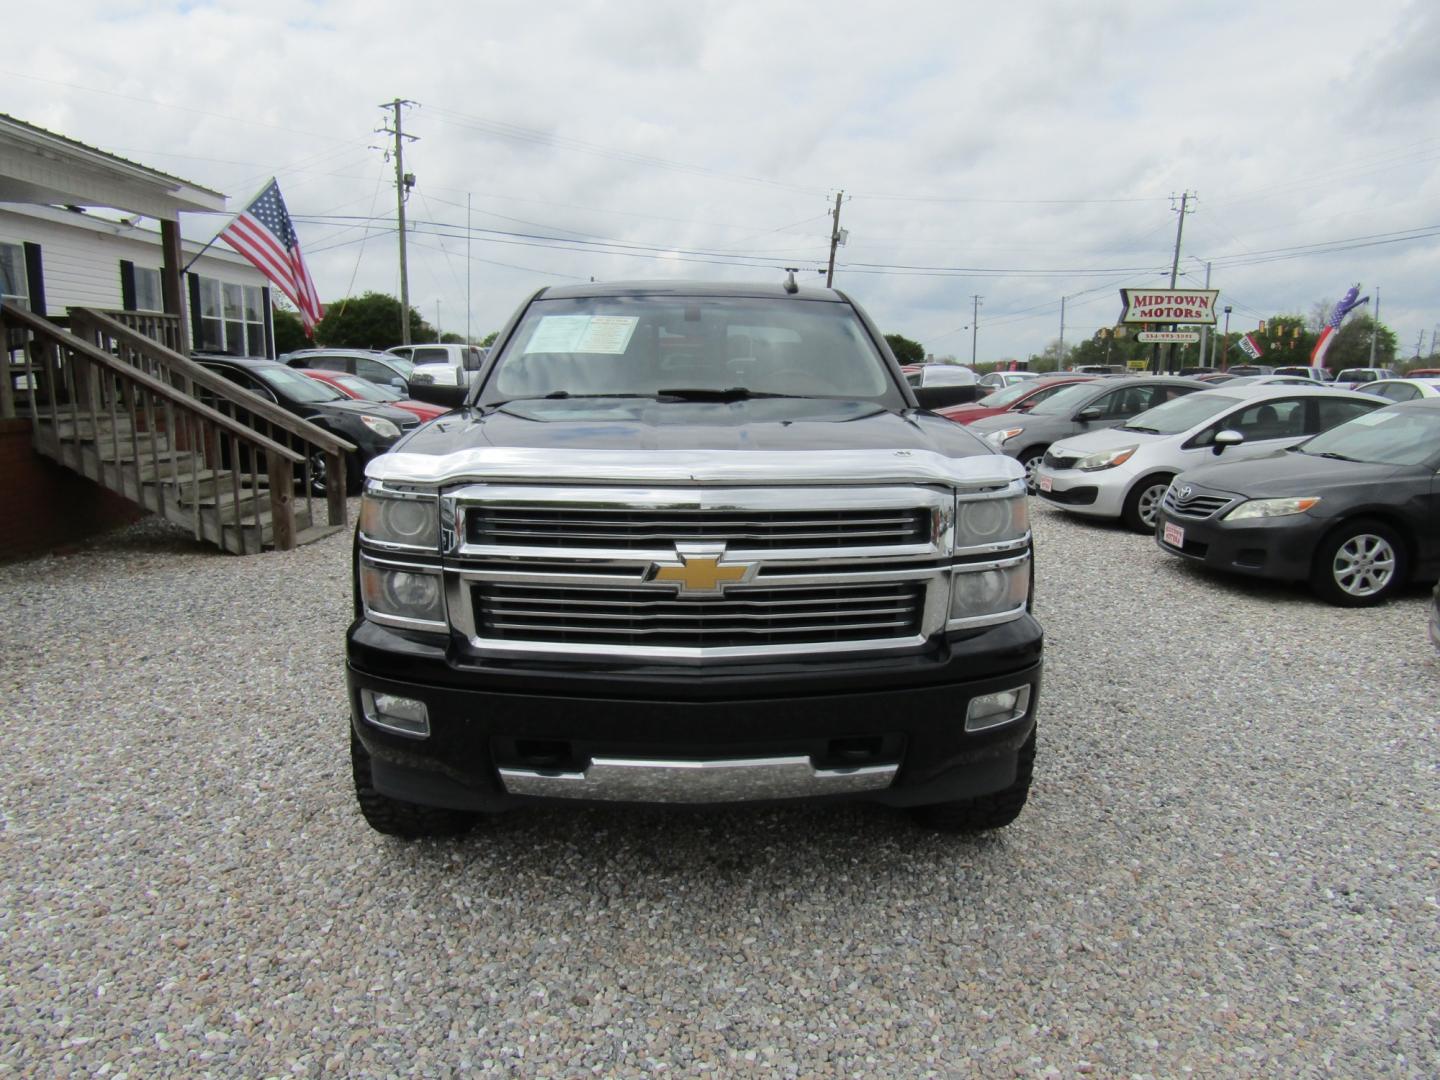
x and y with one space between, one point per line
965 136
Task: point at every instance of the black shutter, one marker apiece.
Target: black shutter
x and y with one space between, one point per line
127 284
197 339
35 278
265 312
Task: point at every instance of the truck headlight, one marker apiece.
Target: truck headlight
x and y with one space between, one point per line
989 589
410 594
1106 459
990 521
1270 508
390 518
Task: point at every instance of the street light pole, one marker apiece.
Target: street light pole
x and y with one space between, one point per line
1225 343
974 327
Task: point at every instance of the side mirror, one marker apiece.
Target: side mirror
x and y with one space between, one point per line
1228 437
1092 412
452 397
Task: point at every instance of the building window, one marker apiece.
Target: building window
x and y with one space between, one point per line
147 290
14 283
232 318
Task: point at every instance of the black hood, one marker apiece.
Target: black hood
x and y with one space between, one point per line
765 424
1287 472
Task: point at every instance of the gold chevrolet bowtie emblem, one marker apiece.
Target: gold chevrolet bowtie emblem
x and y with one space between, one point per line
700 571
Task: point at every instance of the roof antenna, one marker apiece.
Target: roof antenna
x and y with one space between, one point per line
790 286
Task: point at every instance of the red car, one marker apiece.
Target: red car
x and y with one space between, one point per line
1019 397
352 386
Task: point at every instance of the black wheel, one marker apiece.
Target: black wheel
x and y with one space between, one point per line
1142 505
1031 459
1359 564
409 821
993 811
320 474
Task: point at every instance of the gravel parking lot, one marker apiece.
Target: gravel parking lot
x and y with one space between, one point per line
1228 866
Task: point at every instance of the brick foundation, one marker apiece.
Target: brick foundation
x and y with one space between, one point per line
44 506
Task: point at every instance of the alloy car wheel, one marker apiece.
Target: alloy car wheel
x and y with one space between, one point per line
1359 564
1142 506
1031 459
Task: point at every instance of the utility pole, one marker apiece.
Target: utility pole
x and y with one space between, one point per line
834 238
403 183
467 268
1419 344
1205 329
974 327
1375 326
1060 356
437 318
1185 197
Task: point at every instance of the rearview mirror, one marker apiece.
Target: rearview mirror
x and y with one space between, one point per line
1228 437
933 397
1087 414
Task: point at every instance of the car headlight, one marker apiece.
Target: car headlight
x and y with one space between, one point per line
1002 436
1106 459
380 426
992 589
392 518
1270 508
990 521
411 594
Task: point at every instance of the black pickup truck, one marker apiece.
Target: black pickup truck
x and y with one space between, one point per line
691 543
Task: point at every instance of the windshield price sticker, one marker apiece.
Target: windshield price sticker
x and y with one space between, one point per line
605 334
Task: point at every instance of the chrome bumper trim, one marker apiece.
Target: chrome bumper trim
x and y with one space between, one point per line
733 780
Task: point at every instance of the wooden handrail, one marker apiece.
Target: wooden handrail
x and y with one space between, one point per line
216 384
43 328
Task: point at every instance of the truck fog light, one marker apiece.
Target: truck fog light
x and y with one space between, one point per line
992 710
402 715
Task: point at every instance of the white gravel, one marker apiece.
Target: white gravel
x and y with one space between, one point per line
1228 866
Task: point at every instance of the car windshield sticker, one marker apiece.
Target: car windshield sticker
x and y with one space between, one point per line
606 334
1370 419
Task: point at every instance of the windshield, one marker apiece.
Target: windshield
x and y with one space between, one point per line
365 390
730 346
1393 436
1181 414
297 387
400 364
1065 400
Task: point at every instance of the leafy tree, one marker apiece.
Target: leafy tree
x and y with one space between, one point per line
371 321
448 338
289 331
489 339
1351 347
905 350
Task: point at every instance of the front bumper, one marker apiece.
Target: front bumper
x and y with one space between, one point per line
1282 549
1095 494
886 729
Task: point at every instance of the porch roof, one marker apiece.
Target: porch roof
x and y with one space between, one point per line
39 166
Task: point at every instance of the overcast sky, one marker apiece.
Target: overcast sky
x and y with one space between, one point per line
1022 151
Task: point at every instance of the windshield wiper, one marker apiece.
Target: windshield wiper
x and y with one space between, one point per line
1334 456
1137 427
732 393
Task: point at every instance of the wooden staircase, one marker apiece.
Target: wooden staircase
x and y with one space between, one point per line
110 402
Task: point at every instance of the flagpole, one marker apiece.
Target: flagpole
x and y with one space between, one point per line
211 242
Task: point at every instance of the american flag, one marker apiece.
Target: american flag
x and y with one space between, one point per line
1347 304
264 234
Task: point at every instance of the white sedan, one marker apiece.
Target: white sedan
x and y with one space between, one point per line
1402 389
1123 472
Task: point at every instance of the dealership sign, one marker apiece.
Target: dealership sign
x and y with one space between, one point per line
1169 305
1182 337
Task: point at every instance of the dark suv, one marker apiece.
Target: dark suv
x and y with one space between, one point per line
373 428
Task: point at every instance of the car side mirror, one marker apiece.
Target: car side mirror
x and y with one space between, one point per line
452 397
1228 437
1085 415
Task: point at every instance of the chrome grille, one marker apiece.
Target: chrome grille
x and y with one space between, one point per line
631 529
1199 505
745 616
